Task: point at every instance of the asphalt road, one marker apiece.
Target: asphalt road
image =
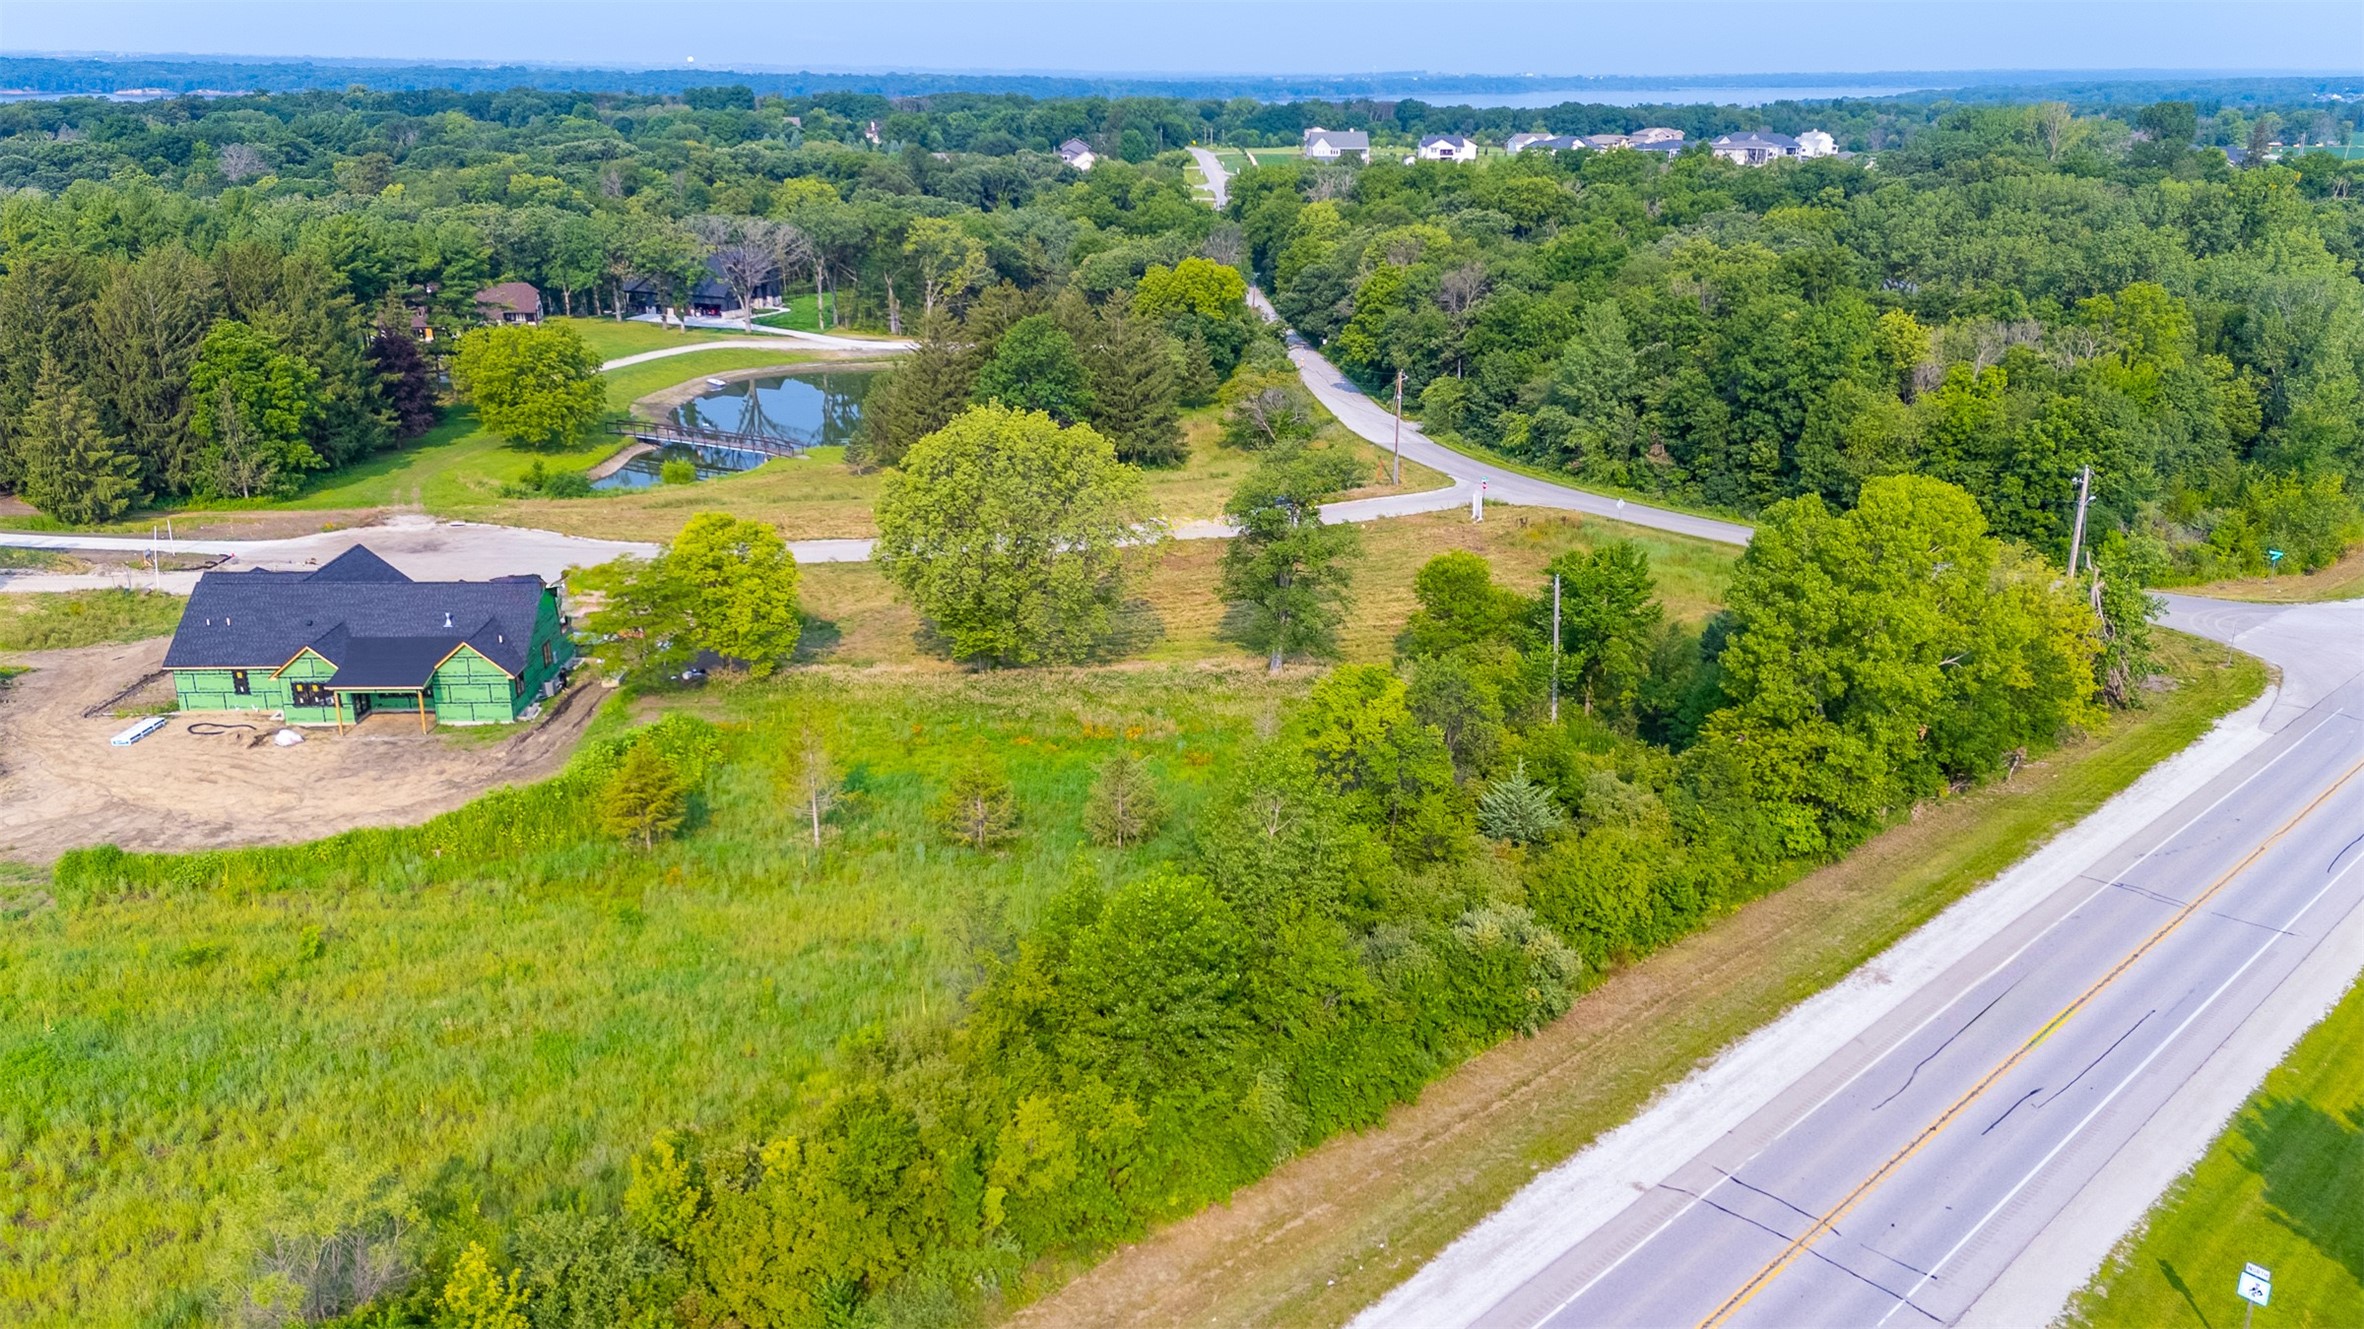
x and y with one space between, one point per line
1470 476
1218 179
1894 1179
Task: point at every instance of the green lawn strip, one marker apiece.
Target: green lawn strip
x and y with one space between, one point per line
2283 1187
493 1011
1325 1271
802 314
60 620
610 339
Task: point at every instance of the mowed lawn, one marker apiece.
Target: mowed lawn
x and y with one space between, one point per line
2283 1187
494 1011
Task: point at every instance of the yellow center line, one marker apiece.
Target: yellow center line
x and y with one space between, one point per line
1830 1218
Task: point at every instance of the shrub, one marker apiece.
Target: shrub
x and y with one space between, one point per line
978 809
1125 808
646 799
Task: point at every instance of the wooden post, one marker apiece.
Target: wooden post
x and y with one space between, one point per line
422 710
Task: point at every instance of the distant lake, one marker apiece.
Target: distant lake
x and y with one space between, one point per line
1670 95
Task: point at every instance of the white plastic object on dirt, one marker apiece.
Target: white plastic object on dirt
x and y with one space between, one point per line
140 730
288 738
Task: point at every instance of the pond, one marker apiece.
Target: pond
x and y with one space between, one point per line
809 410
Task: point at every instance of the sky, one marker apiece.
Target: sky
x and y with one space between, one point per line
1644 37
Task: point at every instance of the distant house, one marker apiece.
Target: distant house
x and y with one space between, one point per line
1754 148
1078 154
1655 134
1328 145
710 298
1604 142
509 302
1664 147
1522 142
1447 148
355 636
1815 143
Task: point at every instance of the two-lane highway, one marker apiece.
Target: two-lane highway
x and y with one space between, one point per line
1899 1175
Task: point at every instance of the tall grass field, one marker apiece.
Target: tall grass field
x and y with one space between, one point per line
213 1064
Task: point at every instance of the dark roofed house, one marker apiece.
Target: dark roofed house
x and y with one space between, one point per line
355 636
509 302
1078 154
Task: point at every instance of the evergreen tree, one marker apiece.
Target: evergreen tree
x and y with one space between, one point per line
1195 379
405 381
1125 808
646 799
1133 392
1518 810
73 470
919 396
978 808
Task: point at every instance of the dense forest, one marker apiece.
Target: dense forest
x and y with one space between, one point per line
1996 296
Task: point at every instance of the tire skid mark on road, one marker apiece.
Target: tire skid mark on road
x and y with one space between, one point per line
1863 1189
1949 1042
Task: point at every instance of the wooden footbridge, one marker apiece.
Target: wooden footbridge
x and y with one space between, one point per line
666 432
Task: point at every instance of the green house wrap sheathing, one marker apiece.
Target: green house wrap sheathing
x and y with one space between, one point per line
357 636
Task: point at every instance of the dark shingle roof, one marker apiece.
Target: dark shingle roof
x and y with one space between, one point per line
371 663
347 610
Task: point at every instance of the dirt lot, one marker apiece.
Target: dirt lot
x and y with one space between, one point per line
62 785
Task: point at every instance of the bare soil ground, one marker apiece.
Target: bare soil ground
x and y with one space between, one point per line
1328 1232
63 786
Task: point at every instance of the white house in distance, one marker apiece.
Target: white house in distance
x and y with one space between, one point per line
1815 143
1753 148
1522 142
1447 148
1328 145
1077 153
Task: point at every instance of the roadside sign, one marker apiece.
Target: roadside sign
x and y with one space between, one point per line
2272 556
2257 1284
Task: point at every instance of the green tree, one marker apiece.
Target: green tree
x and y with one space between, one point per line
538 387
1124 808
1363 745
739 582
1286 571
978 808
1015 537
251 404
1265 411
1035 367
951 261
1193 286
1608 621
1460 605
73 470
1133 392
919 396
645 799
1519 810
476 1296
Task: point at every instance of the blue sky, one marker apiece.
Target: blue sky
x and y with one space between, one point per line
1219 36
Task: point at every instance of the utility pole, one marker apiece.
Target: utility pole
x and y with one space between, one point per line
2077 537
1555 648
1395 474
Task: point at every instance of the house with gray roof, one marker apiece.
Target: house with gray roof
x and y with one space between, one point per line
1328 145
1754 148
1447 148
354 636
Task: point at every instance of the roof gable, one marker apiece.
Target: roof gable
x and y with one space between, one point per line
254 620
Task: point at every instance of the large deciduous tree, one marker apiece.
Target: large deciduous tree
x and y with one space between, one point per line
1015 537
1286 571
1608 619
738 582
250 403
538 387
1035 367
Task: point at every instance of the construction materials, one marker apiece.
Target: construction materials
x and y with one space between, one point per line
140 730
